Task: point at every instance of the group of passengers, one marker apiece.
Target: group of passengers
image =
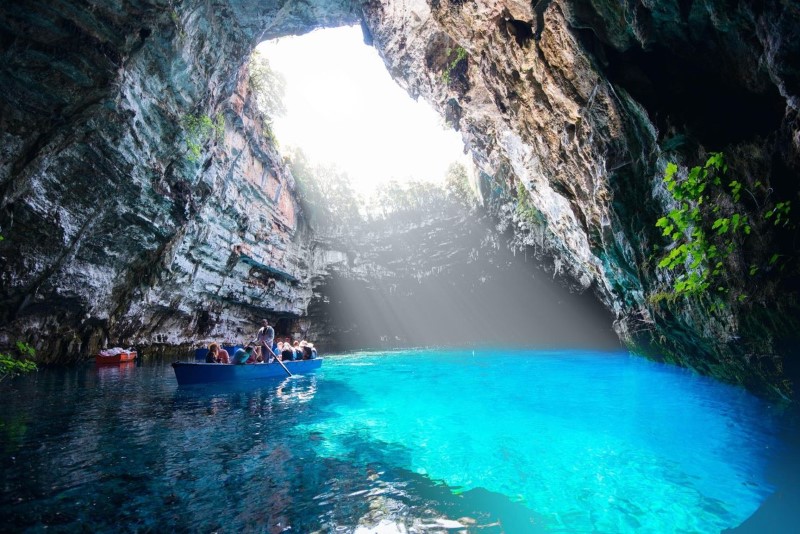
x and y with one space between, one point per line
264 349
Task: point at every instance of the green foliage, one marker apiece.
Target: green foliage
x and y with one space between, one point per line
325 192
525 208
200 128
460 55
780 213
421 197
176 20
330 201
268 86
457 184
269 134
410 197
709 228
697 251
25 349
11 366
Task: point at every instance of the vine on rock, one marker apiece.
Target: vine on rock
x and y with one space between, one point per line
708 228
11 366
460 55
200 128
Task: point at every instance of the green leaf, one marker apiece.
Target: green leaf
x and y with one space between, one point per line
25 349
735 220
670 171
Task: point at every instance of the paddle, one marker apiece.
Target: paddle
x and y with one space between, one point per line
278 359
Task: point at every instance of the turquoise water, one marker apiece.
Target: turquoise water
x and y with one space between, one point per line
589 442
419 440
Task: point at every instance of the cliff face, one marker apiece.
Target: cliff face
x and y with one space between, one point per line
140 200
582 104
114 229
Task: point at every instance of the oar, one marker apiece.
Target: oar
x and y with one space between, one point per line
278 359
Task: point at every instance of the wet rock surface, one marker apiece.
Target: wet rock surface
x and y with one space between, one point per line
582 104
113 233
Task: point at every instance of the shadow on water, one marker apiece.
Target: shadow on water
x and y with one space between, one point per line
780 512
119 448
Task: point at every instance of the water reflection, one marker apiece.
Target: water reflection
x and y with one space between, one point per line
114 372
126 448
255 396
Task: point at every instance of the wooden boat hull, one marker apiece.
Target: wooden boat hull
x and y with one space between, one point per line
203 373
116 359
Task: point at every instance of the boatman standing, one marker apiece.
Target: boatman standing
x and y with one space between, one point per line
265 338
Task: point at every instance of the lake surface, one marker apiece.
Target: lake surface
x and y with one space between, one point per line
415 441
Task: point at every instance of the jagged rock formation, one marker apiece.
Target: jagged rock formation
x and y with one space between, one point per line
583 103
113 231
110 231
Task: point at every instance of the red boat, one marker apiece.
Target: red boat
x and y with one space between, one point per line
124 356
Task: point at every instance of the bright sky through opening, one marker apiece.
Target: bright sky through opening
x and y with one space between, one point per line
343 108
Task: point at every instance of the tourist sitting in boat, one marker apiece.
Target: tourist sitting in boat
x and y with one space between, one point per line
255 357
298 352
279 350
242 355
309 352
217 354
287 353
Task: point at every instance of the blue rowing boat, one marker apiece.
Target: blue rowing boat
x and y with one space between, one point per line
203 373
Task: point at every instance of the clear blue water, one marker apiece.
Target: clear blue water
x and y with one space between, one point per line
420 440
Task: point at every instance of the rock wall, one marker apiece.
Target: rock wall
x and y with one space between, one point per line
112 232
583 103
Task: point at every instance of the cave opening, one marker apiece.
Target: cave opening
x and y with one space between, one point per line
384 181
342 109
